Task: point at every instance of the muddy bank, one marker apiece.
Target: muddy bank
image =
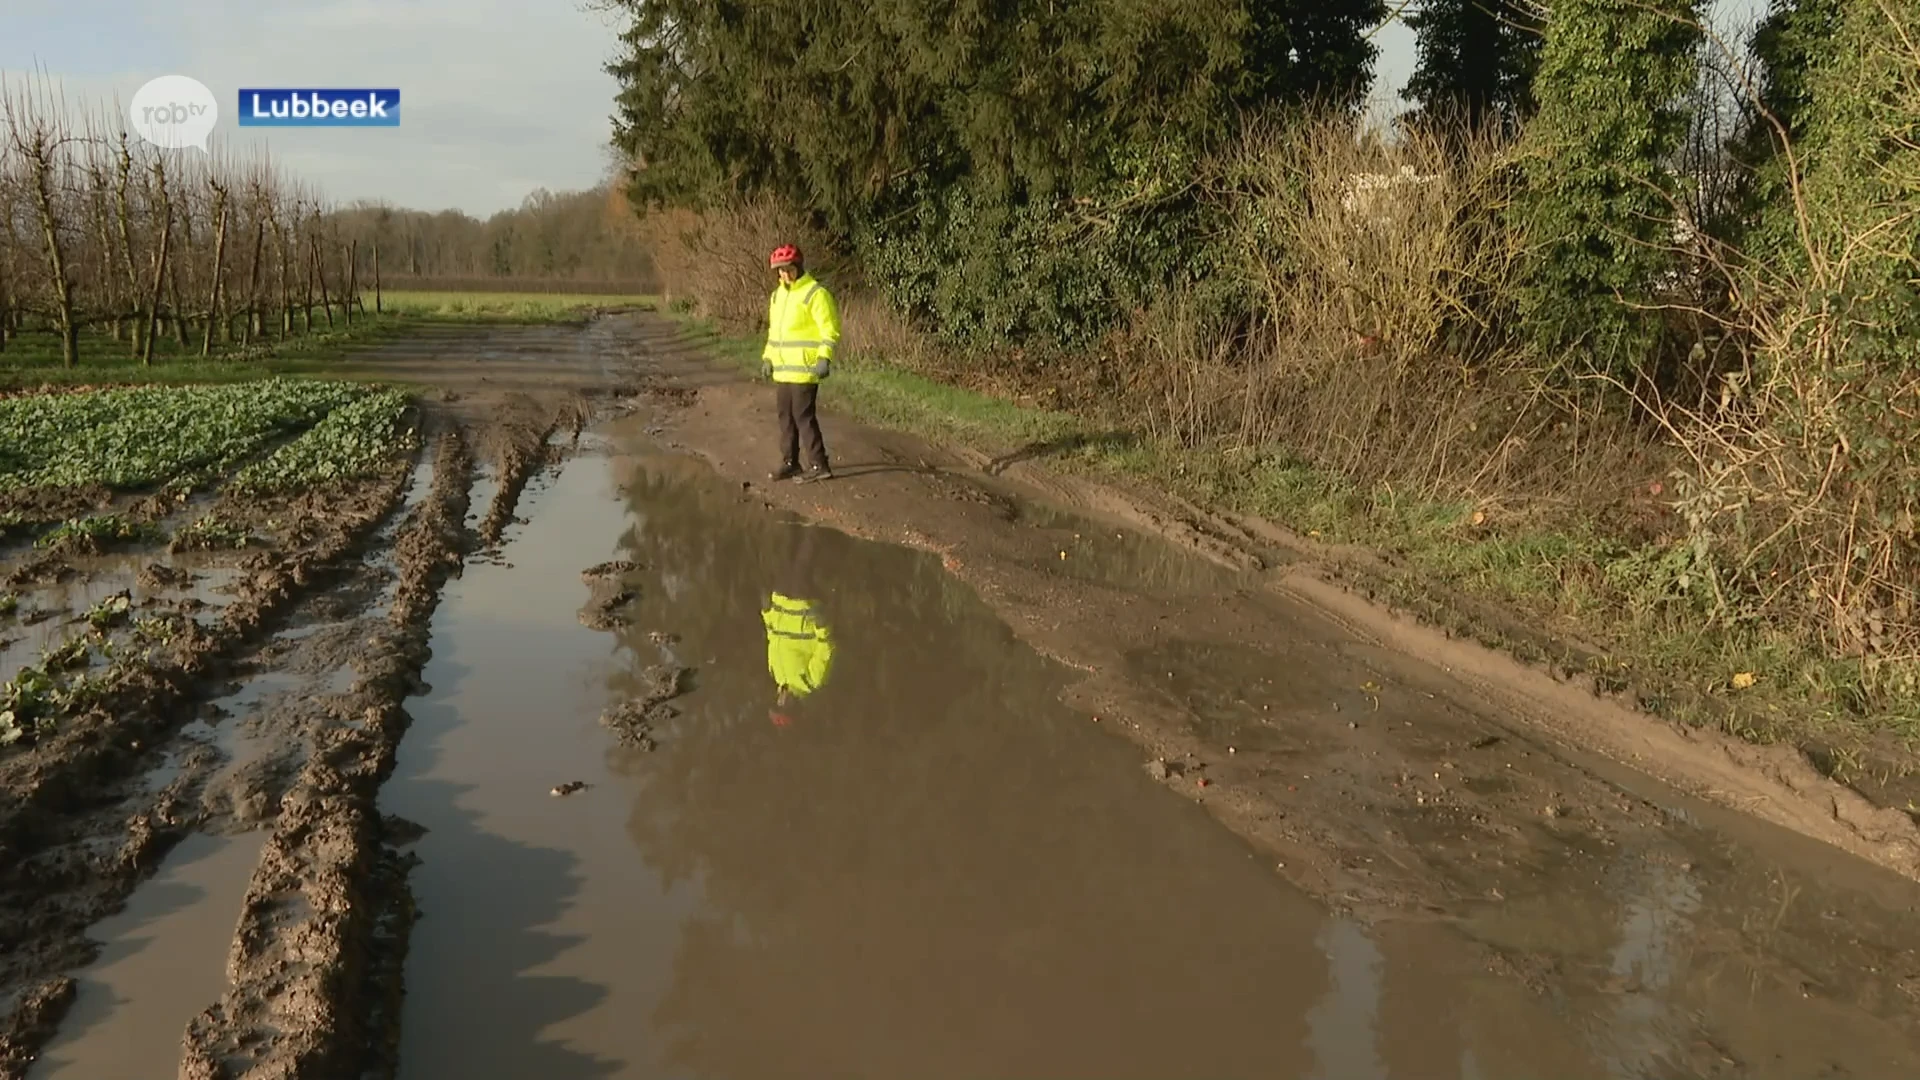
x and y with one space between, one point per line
298 975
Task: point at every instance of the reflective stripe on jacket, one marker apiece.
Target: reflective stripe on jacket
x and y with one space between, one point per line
802 328
799 647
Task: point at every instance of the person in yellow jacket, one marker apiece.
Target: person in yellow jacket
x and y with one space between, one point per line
803 326
799 643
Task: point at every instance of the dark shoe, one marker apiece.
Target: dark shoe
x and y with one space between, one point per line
785 472
815 475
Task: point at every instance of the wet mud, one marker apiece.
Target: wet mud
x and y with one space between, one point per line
1397 780
231 720
929 867
520 692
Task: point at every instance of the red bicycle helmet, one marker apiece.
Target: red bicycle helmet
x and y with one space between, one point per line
784 255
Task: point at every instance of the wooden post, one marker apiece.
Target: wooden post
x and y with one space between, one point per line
378 307
219 260
159 275
352 253
320 272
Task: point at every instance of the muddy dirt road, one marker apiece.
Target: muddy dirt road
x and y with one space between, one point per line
483 772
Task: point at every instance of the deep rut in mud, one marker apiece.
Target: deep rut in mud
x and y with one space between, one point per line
609 845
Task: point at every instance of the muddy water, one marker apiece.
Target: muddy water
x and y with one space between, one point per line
25 636
929 869
1116 556
161 960
1703 943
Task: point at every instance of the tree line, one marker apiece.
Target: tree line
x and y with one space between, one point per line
551 237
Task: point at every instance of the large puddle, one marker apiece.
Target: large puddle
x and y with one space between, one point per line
926 868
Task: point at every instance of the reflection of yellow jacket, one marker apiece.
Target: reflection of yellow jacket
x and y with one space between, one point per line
799 647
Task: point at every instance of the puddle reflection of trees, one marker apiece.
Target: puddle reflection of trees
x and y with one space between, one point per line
928 873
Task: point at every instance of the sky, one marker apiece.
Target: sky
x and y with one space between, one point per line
499 97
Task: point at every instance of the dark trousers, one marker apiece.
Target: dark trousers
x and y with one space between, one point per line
795 403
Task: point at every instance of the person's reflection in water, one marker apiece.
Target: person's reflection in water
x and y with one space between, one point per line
799 644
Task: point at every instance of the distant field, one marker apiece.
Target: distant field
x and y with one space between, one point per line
406 283
500 306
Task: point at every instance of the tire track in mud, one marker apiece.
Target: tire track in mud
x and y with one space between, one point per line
315 969
519 449
53 877
300 964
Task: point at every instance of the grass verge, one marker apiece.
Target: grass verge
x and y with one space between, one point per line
1574 599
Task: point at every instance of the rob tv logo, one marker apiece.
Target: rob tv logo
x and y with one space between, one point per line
319 108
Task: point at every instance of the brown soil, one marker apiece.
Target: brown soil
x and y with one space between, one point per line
54 504
299 974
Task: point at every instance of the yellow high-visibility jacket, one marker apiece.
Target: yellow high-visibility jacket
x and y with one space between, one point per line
803 325
799 646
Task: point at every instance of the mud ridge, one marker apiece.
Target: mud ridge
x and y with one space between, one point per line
633 722
519 449
313 968
115 733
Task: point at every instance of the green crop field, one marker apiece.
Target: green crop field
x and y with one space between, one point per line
184 437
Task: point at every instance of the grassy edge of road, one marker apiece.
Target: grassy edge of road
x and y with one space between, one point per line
1578 603
33 362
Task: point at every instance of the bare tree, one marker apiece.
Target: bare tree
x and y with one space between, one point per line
123 216
36 130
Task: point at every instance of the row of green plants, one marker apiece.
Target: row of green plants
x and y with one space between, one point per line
145 435
350 442
272 436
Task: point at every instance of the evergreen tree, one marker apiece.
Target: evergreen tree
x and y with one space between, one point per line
1597 203
1477 57
898 121
1855 110
1788 48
